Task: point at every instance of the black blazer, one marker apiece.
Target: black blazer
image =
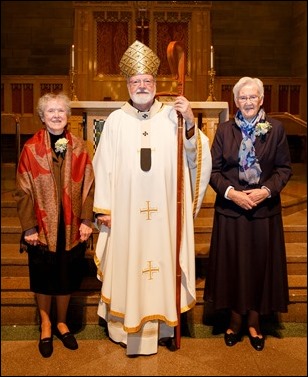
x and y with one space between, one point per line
273 155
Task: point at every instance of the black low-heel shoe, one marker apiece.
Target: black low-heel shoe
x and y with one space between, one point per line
256 342
46 347
231 339
68 340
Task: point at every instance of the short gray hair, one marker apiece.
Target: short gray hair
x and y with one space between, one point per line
248 81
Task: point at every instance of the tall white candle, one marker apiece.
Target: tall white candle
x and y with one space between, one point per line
212 57
73 56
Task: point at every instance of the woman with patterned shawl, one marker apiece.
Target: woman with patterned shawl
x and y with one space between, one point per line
247 272
54 195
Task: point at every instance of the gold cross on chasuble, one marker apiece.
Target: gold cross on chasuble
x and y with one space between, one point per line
151 269
148 210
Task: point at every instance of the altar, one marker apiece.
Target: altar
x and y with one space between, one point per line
88 118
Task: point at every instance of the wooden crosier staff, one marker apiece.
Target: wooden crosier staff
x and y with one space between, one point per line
176 60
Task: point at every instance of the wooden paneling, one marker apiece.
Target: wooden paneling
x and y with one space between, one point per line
281 94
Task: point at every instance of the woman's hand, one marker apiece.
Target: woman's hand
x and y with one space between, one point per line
85 231
31 236
248 199
32 239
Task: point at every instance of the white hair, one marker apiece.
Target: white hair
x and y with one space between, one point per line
248 81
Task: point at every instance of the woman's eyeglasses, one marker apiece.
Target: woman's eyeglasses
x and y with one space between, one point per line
246 98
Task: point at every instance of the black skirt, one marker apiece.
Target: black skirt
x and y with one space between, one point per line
56 273
247 265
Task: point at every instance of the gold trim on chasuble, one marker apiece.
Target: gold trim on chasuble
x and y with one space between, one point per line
198 175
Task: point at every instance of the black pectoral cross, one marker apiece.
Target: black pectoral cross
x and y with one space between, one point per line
145 156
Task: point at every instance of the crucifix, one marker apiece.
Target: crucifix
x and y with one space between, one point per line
142 26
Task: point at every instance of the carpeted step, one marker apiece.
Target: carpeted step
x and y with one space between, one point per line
12 259
19 307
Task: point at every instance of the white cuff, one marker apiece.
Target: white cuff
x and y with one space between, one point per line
227 192
268 190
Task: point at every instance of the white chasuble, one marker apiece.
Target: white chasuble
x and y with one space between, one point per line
136 257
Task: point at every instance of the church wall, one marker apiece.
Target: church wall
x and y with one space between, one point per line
258 38
263 38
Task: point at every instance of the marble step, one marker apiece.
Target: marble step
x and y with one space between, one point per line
18 307
290 203
18 283
293 196
295 228
13 262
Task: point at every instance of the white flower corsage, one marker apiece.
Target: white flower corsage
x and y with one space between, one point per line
262 128
60 145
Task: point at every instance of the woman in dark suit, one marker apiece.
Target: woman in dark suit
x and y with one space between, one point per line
247 272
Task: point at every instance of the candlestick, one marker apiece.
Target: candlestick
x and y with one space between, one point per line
211 96
73 57
212 57
73 84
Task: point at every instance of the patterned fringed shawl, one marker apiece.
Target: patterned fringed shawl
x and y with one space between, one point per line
36 178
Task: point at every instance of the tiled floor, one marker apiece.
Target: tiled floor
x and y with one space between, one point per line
203 356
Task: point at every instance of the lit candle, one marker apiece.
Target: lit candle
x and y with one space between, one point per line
73 56
212 57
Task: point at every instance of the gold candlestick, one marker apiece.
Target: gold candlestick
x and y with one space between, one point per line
73 73
211 96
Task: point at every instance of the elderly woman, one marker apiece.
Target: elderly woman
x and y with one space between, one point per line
54 195
247 272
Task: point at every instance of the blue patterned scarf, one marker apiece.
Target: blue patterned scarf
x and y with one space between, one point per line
249 167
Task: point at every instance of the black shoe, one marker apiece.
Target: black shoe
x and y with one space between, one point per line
168 342
68 340
122 344
46 347
231 339
256 342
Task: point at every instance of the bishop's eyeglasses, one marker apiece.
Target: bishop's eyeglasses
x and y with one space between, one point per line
137 82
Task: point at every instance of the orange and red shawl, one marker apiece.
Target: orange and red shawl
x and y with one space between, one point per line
35 176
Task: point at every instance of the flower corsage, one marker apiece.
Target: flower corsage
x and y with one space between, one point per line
61 145
262 128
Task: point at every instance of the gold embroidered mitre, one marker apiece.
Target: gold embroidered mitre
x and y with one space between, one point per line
139 59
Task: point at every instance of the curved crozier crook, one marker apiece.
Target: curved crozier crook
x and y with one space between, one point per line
176 60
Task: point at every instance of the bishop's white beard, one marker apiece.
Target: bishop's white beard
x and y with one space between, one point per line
142 98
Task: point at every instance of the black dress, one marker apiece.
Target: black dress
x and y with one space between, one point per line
247 265
58 273
247 269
